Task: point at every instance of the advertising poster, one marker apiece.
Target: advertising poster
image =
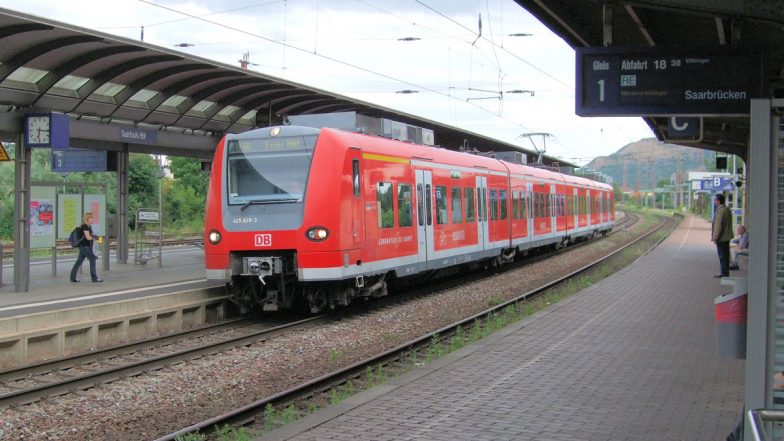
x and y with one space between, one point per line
42 215
69 214
96 204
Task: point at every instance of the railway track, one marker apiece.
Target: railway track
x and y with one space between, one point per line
52 378
321 390
31 383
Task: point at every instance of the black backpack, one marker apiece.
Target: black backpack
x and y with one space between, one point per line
76 236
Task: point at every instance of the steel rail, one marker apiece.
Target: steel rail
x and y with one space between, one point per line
68 362
249 412
137 367
117 351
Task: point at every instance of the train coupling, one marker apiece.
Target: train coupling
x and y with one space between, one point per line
261 266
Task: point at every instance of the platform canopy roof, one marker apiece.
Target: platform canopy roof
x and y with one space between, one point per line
753 25
51 66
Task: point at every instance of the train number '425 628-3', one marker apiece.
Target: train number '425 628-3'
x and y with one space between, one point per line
245 220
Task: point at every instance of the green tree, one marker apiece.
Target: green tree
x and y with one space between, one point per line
142 184
618 193
187 172
184 196
7 195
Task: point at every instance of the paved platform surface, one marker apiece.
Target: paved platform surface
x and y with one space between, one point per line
630 358
183 267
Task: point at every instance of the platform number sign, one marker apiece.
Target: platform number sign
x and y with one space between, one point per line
665 81
716 182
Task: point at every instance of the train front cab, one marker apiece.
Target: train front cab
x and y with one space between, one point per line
266 216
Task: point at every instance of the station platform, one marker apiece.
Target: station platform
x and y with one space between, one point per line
183 268
632 357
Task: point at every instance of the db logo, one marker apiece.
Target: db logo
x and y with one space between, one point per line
263 240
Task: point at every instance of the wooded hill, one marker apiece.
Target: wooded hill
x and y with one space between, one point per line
648 161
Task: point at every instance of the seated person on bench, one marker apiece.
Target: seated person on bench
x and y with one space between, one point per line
740 247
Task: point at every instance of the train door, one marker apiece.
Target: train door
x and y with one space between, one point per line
424 197
357 203
483 230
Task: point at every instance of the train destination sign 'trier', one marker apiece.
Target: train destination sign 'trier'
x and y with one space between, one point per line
661 81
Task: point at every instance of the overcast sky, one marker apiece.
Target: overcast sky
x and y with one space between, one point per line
353 48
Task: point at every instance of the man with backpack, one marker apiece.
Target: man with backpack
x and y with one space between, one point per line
86 250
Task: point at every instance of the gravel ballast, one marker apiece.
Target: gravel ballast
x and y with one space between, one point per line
154 404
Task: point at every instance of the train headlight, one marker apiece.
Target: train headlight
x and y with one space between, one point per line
214 237
317 234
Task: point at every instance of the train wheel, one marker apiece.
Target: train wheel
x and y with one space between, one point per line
317 299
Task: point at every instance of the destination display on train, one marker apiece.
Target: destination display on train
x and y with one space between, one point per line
262 145
656 81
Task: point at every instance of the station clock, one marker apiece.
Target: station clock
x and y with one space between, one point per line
38 130
47 129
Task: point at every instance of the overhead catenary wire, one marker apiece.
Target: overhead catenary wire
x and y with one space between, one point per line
223 11
326 57
448 94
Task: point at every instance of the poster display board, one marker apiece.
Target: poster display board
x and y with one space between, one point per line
96 204
42 228
69 214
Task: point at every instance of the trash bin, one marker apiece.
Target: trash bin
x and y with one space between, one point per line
731 319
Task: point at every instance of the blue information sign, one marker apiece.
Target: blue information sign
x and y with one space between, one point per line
138 136
78 160
667 81
717 184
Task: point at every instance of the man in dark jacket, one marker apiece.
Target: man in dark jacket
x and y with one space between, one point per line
722 234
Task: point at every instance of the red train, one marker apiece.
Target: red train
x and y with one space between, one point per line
323 216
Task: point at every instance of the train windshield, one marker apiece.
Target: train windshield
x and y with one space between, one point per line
269 170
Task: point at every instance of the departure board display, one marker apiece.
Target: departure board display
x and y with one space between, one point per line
657 81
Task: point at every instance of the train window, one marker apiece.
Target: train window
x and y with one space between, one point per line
457 205
546 205
420 214
536 202
523 206
539 205
268 170
493 205
481 203
428 205
441 213
482 195
502 200
515 204
386 214
355 176
469 204
530 205
536 205
404 205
